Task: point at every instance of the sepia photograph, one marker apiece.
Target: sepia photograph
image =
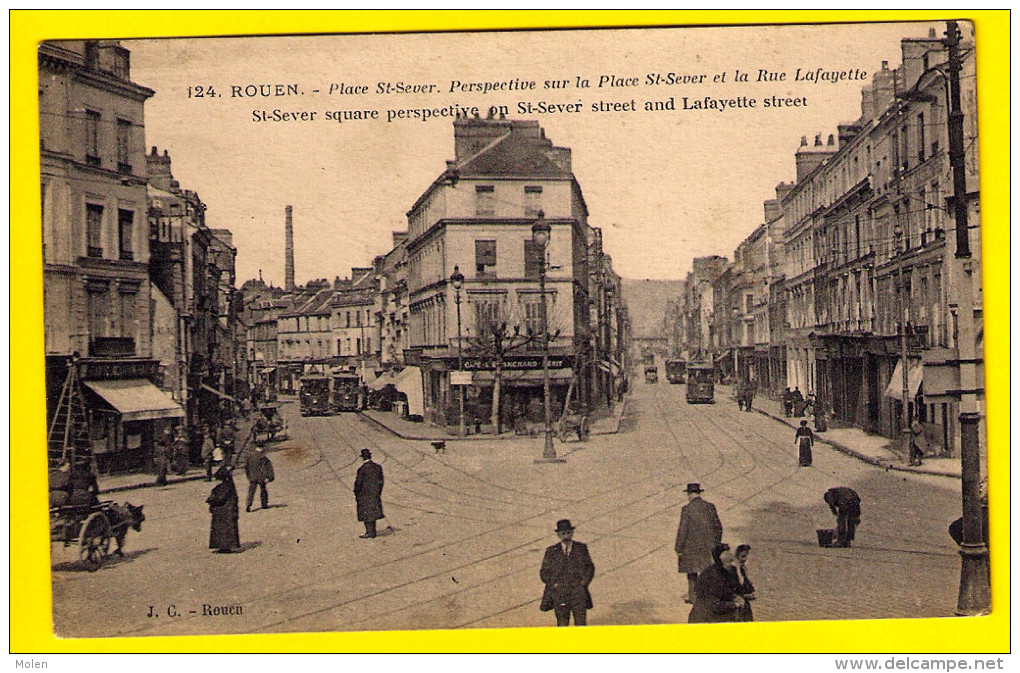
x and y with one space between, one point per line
466 330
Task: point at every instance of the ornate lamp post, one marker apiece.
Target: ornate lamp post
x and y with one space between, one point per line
457 279
540 232
902 294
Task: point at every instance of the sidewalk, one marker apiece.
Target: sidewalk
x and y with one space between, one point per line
390 421
874 449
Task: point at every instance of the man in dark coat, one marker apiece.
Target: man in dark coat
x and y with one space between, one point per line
699 531
567 571
788 403
846 505
368 486
161 455
259 470
223 533
715 596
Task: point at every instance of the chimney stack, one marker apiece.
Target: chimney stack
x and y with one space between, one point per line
289 268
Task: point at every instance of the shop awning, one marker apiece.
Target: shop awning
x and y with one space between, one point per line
915 374
524 379
217 392
409 382
136 399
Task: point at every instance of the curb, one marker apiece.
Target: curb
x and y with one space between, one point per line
877 462
479 438
148 484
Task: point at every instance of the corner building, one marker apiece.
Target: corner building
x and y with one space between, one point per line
477 216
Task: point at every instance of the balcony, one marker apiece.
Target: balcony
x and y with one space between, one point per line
112 347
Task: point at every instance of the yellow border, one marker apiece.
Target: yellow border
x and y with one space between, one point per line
30 616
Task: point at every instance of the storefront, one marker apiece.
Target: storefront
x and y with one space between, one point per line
126 416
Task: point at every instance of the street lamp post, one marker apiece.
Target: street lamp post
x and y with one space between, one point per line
902 294
457 279
540 232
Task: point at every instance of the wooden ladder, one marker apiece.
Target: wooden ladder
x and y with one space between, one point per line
70 420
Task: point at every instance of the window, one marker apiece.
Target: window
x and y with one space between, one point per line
123 146
348 315
920 136
487 316
485 257
532 259
485 200
533 322
532 200
125 226
92 137
94 225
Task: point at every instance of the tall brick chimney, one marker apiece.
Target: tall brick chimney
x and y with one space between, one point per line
289 264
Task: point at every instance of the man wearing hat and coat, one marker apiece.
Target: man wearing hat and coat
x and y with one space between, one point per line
368 485
567 571
700 530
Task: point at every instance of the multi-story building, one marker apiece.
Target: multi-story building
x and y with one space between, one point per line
477 216
304 333
96 287
354 327
391 311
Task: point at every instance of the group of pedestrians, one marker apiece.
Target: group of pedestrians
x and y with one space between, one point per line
717 583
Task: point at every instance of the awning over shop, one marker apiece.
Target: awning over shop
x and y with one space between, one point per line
136 399
217 392
609 366
525 379
409 382
915 374
267 371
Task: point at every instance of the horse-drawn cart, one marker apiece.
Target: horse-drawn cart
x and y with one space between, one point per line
91 527
571 422
269 425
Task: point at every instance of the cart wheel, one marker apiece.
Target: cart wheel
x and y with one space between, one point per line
561 430
583 429
95 540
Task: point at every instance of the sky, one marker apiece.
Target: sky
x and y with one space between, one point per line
665 186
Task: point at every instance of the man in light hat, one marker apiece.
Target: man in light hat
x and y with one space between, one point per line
368 486
699 532
567 571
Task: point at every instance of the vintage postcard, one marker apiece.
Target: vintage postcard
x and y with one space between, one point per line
470 330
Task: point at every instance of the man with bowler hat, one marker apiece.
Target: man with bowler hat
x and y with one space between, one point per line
699 532
368 487
567 571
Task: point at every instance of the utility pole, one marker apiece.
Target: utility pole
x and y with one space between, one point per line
975 592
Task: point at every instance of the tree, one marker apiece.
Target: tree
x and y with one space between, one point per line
499 333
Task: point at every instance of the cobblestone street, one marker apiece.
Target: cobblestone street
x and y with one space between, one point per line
465 530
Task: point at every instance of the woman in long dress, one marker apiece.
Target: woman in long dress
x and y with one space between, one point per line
223 533
804 439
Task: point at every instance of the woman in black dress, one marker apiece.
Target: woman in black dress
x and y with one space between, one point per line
804 440
742 585
223 534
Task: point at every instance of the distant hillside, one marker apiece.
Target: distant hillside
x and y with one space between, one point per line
646 302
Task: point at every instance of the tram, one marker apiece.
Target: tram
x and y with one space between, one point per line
314 395
676 371
700 383
346 391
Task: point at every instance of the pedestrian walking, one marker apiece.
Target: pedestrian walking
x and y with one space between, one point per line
788 403
161 455
699 531
798 403
368 486
228 441
804 439
741 394
748 395
208 450
846 506
259 470
223 533
567 571
917 444
742 584
180 450
821 424
715 595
